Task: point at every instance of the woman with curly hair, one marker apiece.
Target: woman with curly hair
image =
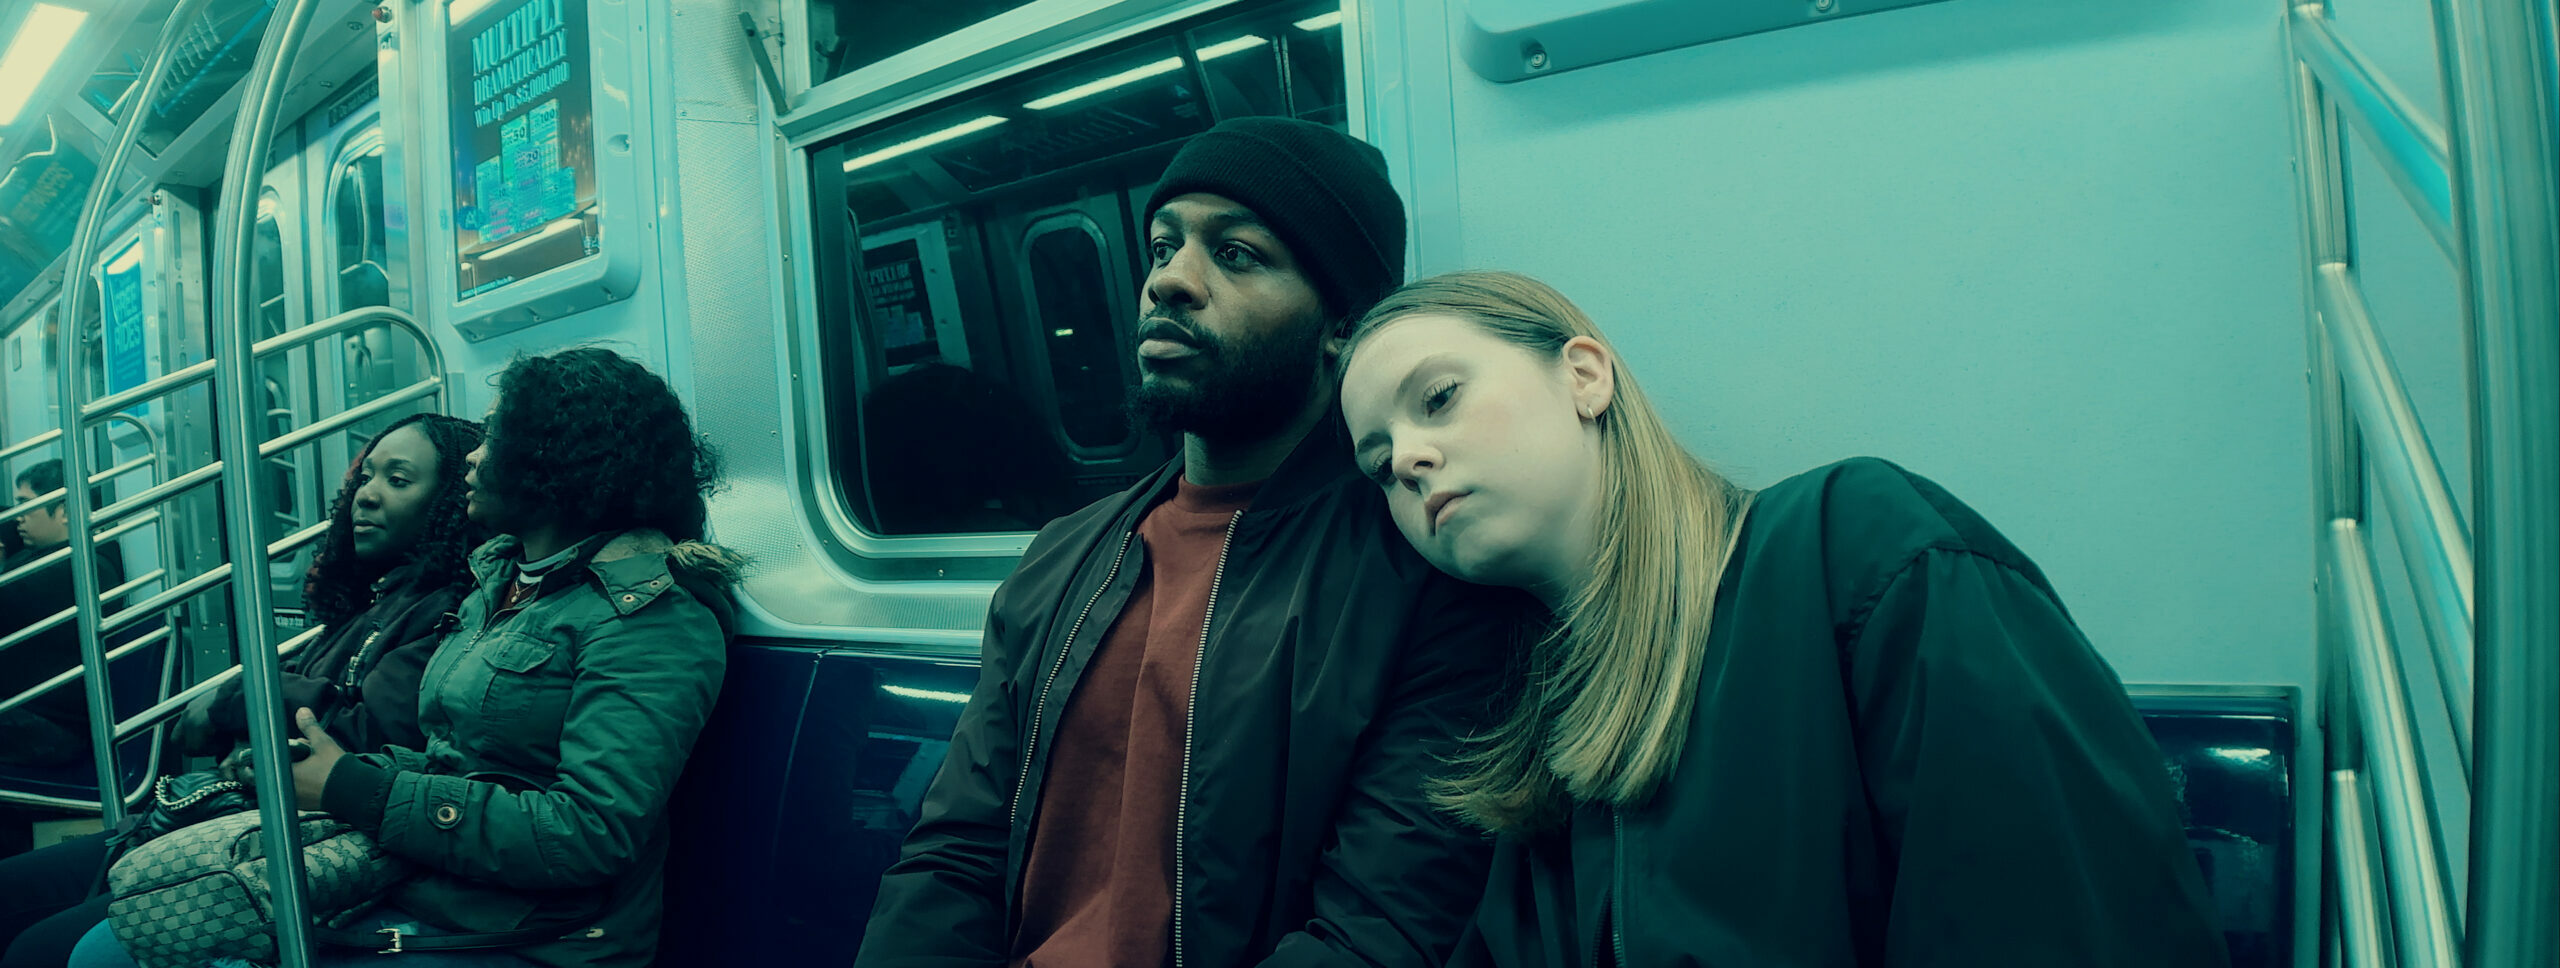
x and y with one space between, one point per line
387 579
561 708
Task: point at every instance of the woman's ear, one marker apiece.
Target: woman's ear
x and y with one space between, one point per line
1591 369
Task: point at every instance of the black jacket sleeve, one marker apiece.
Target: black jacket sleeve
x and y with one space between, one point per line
1401 877
2024 809
942 904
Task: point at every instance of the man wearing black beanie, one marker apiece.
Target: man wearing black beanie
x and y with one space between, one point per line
1210 707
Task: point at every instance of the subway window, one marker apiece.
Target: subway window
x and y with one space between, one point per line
275 374
979 262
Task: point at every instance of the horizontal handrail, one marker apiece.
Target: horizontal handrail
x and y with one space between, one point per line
161 712
53 497
2434 542
2422 910
104 407
49 622
347 417
146 607
2411 146
2359 896
175 380
31 505
61 554
359 318
51 434
36 628
66 678
156 493
131 586
296 540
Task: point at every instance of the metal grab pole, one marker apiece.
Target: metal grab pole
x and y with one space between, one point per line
235 385
75 463
2499 91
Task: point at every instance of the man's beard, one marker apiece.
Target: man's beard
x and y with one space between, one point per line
1238 389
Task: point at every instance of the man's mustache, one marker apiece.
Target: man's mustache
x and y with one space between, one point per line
1171 330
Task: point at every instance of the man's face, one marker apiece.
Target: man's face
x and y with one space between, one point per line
42 529
1230 331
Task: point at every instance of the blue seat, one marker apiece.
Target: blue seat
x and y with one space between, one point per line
810 774
2230 759
133 685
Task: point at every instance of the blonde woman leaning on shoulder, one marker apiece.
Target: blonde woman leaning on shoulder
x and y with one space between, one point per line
1842 721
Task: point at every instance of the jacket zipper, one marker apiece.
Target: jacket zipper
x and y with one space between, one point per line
1031 745
1617 884
352 677
1190 719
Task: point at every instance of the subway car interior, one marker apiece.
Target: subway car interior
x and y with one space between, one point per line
2242 316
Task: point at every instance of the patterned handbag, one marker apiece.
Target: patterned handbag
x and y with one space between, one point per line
200 892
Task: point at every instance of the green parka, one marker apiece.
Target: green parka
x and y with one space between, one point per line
554 735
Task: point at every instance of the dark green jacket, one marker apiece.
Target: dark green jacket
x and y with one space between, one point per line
1903 754
554 736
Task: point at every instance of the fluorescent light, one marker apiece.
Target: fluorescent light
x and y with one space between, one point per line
129 258
1142 72
961 130
1236 46
1322 21
548 231
40 41
461 10
912 692
1091 88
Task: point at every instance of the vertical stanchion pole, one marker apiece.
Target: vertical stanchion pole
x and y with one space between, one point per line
2499 90
235 391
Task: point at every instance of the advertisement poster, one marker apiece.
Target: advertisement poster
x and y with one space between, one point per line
120 294
524 166
901 311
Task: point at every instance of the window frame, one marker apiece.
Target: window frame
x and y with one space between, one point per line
1028 39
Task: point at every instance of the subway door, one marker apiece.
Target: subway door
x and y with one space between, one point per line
1061 271
354 265
287 486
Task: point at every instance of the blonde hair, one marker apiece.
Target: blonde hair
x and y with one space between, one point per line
1604 706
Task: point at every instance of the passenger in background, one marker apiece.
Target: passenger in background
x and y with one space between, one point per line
383 586
559 712
1208 705
51 730
1839 722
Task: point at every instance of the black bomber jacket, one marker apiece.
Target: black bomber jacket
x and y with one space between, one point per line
1338 671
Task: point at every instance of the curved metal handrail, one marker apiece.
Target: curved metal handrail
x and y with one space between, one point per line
84 247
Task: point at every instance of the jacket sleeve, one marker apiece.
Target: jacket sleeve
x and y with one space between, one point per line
942 904
642 688
1401 878
218 720
2025 809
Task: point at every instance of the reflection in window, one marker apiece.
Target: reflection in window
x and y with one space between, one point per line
363 279
275 374
1072 307
979 283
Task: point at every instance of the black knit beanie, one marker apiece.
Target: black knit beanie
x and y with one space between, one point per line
1323 192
